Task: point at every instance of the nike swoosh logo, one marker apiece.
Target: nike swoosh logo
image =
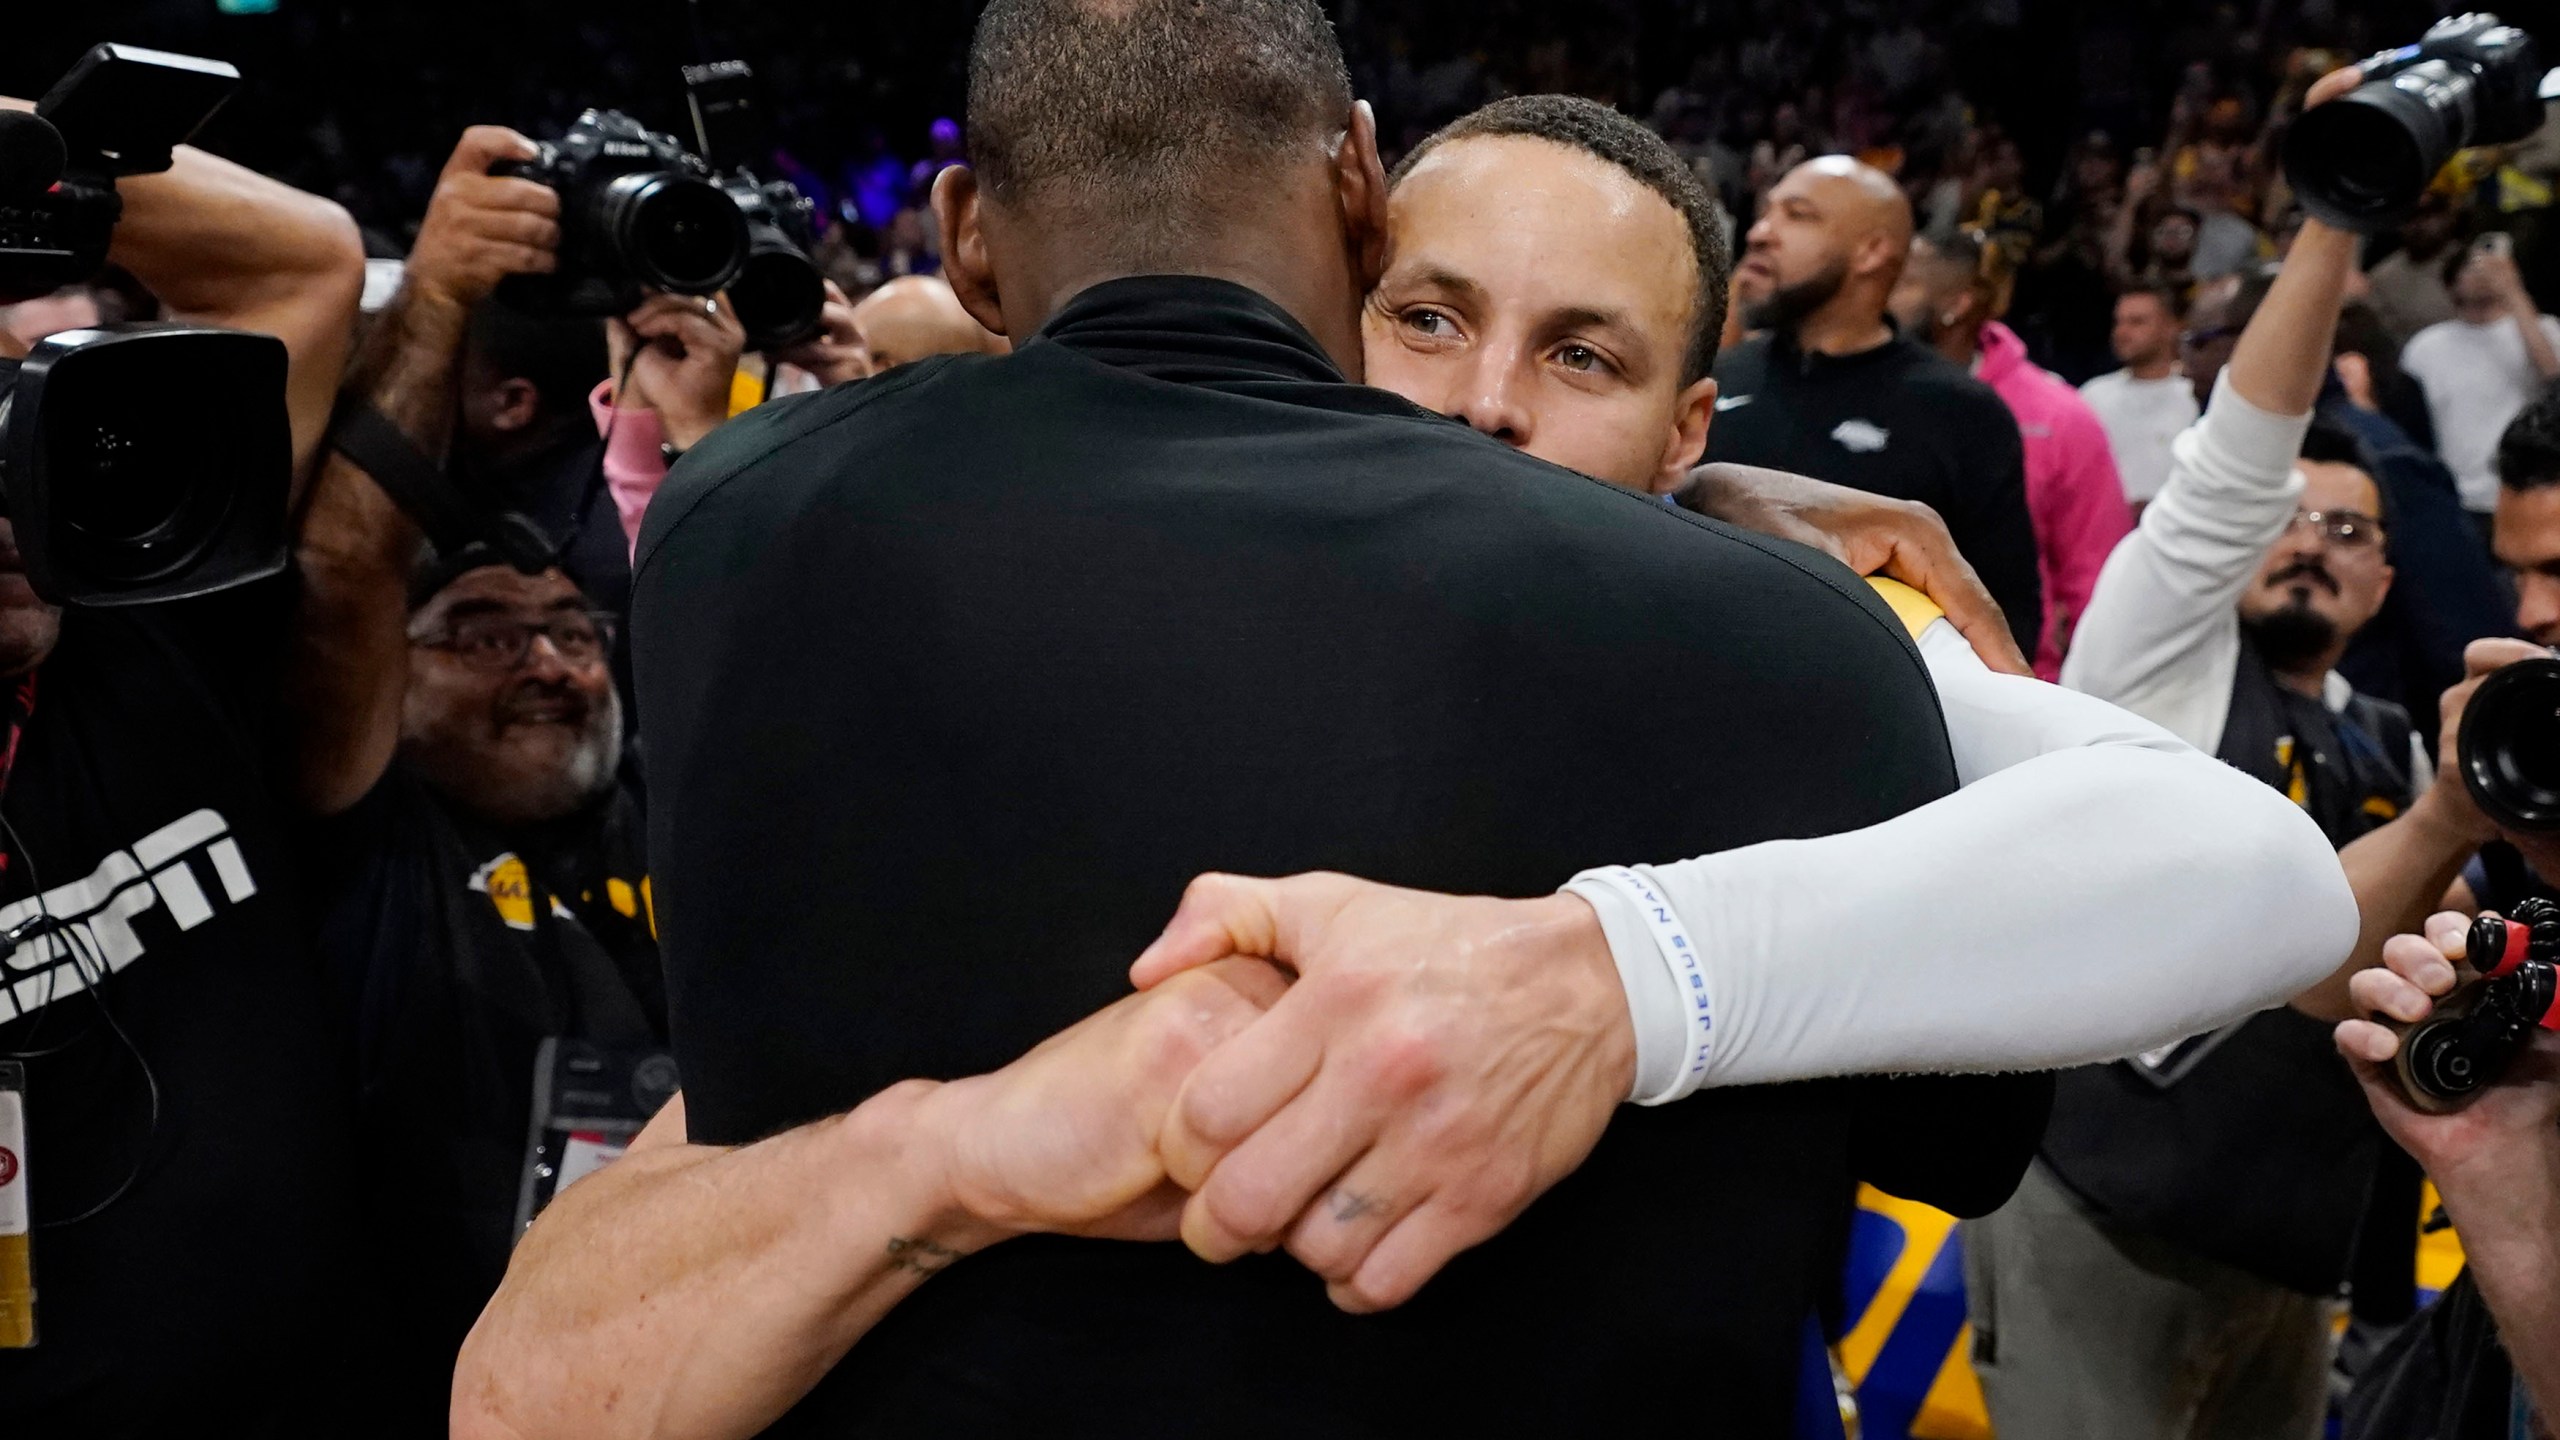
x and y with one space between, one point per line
1731 402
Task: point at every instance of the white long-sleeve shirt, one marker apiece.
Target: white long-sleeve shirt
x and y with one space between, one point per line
2097 888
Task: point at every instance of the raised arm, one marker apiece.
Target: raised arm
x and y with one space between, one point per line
354 547
223 245
692 1292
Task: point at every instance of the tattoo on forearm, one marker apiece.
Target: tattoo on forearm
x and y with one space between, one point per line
1350 1205
922 1256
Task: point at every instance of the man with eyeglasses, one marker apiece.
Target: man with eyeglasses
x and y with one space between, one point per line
486 894
2216 1192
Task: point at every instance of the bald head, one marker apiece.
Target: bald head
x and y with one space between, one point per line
1827 248
916 316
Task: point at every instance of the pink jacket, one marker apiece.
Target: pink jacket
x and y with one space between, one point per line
2073 494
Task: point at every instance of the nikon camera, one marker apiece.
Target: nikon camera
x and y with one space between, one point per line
638 213
2362 161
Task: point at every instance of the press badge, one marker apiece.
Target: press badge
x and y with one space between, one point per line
17 1264
589 1101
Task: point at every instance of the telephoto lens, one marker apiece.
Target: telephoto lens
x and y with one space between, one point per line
779 296
2509 746
2362 161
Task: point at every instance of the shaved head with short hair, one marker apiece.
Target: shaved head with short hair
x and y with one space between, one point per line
1147 112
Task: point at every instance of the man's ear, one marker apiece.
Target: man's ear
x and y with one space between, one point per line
1360 185
1690 415
956 209
513 405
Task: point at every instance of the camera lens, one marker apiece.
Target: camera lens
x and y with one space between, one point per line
2438 1063
2510 745
134 496
779 295
2362 161
672 232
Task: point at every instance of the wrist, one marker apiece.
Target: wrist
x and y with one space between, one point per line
684 430
1664 1025
903 1136
2447 819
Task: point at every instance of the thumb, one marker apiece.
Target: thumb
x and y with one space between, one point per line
1228 915
483 146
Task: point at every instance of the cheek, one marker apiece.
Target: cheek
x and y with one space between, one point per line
1606 438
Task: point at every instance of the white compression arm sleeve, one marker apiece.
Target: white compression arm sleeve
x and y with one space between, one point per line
2098 888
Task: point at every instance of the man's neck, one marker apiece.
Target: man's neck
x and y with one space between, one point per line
1846 326
2311 679
2160 369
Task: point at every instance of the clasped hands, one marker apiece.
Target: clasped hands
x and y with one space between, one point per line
1374 1079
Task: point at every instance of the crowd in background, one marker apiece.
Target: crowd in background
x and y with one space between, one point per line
2103 179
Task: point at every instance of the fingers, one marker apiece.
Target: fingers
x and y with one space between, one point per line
2365 1042
1926 559
2421 962
1410 1254
2450 932
2332 85
1222 915
1237 1089
2380 992
483 146
1257 1191
2480 657
1335 1235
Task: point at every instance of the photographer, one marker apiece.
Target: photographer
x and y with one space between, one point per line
185 1127
2485 1358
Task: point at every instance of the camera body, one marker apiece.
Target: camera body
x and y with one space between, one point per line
138 463
2362 161
638 213
2479 1030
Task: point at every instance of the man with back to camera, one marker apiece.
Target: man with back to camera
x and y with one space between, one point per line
1952 293
1215 356
1831 391
186 1134
2148 403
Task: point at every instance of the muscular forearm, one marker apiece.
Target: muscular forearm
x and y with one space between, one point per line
2284 353
688 1291
2509 1220
355 549
2399 874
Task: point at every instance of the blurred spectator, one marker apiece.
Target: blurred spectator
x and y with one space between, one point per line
1951 293
488 892
2408 287
1829 390
915 317
523 439
2482 367
2146 404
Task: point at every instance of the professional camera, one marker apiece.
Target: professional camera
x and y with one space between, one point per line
2509 747
779 296
2479 1030
137 462
637 213
2362 161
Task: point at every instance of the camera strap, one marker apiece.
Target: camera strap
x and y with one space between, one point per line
427 495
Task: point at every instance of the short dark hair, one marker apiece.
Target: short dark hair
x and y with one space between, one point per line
1146 112
2172 299
563 355
1604 134
2529 451
2330 442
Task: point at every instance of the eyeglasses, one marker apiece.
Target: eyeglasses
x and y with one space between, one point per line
2347 529
499 643
2198 339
